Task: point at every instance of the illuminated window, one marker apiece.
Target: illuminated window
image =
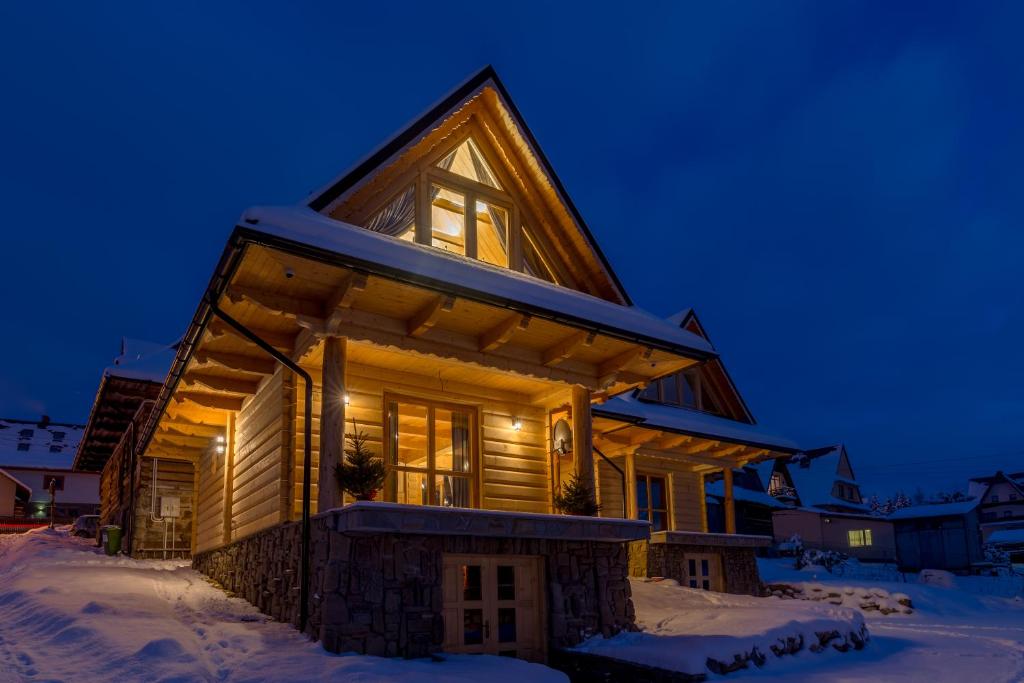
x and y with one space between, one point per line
652 501
430 453
397 218
859 538
467 161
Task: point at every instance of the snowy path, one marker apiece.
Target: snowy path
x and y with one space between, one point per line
68 613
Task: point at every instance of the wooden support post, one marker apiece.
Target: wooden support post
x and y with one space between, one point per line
730 507
332 422
229 474
631 511
582 441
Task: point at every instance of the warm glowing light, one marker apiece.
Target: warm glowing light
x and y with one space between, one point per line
346 399
220 450
517 424
220 438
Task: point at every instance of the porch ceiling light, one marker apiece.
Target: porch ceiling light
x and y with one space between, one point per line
346 399
517 424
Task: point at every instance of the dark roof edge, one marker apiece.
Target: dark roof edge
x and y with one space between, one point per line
323 198
692 315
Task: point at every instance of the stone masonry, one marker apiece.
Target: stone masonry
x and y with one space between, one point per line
665 556
376 573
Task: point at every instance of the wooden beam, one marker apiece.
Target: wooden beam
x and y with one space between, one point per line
729 502
305 341
218 383
184 441
499 335
582 436
674 440
623 360
427 317
237 362
279 340
712 462
189 429
554 355
273 302
332 422
215 402
168 444
343 298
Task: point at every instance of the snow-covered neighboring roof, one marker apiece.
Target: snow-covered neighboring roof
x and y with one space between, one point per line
688 421
717 489
977 487
1006 536
42 444
17 482
935 510
815 482
142 360
369 250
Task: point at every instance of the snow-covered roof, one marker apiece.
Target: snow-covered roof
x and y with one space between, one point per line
142 360
17 482
43 444
371 251
688 421
1006 536
815 481
717 489
935 510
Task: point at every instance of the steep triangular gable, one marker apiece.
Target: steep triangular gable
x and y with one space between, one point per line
714 370
843 468
479 116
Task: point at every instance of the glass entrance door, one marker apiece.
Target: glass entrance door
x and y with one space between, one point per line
492 605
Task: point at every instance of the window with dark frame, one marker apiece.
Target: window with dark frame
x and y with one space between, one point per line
652 501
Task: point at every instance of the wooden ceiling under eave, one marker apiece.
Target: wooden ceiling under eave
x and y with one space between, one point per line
292 302
116 403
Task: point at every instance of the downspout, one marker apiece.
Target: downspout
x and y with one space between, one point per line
306 451
625 485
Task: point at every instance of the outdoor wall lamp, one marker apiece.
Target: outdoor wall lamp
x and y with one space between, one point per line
517 424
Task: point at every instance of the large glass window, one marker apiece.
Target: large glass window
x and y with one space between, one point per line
430 453
859 538
652 501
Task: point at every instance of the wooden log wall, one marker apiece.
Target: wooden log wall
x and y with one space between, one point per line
174 478
210 503
686 490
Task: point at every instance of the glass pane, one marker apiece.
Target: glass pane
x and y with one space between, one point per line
412 488
689 397
659 521
408 426
492 234
693 583
506 582
448 219
704 571
706 585
670 390
397 218
533 262
472 578
473 627
642 514
693 567
467 161
506 624
641 492
658 493
452 440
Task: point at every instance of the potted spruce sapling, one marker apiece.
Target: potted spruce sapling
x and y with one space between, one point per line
576 498
361 474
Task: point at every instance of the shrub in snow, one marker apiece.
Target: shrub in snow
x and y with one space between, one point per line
826 559
997 557
794 547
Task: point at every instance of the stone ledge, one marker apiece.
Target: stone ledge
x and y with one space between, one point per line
717 540
372 517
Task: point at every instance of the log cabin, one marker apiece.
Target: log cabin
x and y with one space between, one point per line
445 298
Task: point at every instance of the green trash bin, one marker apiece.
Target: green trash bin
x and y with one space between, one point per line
111 537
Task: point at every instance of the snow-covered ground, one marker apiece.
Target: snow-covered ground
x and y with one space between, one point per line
69 613
958 631
683 627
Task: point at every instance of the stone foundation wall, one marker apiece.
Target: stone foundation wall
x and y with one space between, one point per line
380 593
739 564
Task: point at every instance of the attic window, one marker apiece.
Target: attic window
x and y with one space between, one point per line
25 434
24 446
397 218
533 260
467 161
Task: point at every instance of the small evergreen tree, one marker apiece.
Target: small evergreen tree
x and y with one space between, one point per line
361 474
576 498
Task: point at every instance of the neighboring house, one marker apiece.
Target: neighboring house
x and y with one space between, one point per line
826 508
754 506
40 451
1010 541
938 536
445 298
126 395
1001 499
14 496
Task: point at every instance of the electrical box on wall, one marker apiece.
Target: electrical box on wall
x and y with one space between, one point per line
170 506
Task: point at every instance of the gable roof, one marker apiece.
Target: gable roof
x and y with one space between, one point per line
979 486
935 510
324 199
17 483
814 474
47 444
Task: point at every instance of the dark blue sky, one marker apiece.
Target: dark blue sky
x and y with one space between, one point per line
835 187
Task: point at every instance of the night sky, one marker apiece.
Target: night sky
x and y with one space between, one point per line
835 187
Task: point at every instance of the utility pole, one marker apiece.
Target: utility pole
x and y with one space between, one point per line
53 499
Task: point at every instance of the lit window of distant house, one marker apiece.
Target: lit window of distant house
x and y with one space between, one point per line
859 538
26 433
652 501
